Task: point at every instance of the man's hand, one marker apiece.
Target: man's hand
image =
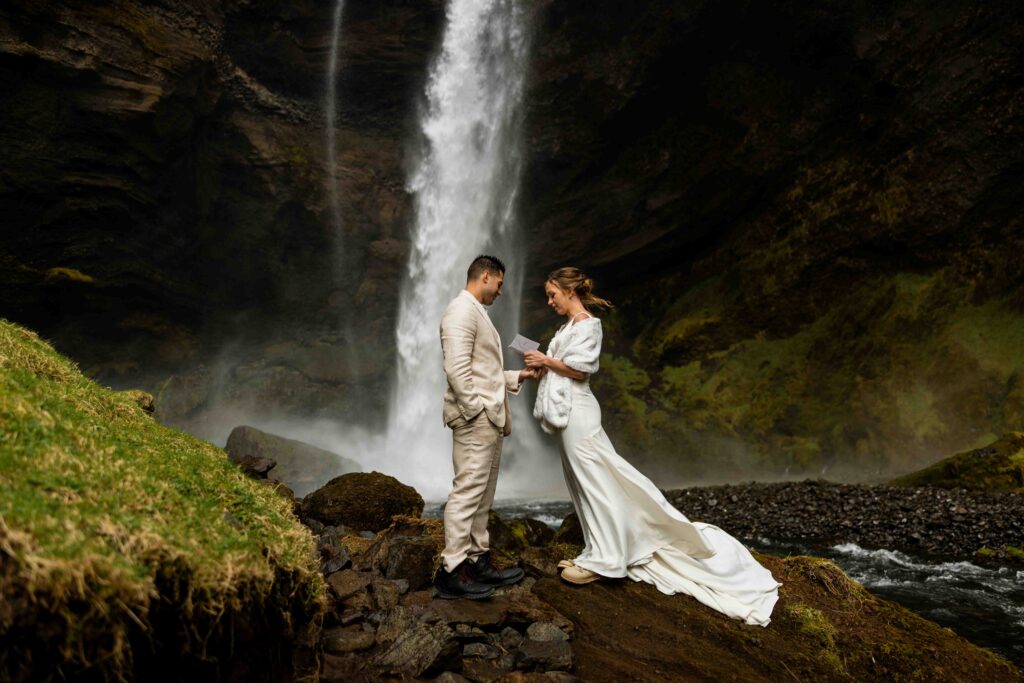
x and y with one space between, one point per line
529 373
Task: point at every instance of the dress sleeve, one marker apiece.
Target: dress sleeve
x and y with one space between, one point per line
583 350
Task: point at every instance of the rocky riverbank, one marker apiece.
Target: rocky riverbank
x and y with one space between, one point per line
952 523
383 621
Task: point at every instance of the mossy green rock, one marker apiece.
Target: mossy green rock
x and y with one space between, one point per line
996 467
127 546
362 500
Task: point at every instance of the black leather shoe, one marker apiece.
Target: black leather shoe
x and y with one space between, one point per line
461 583
485 571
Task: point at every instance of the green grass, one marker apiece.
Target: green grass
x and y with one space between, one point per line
97 500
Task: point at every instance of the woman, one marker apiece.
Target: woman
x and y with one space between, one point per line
629 528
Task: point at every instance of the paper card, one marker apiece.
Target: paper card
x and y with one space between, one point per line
523 344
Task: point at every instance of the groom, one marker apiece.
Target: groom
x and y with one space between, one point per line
477 411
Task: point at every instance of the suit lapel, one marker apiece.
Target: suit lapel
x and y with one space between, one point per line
487 318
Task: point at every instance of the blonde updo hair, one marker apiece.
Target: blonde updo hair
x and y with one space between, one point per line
574 281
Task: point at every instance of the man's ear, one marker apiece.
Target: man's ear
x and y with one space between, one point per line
485 277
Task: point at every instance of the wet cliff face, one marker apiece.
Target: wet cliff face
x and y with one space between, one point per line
164 190
164 179
808 216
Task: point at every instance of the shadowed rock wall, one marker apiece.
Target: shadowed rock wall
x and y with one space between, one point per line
808 216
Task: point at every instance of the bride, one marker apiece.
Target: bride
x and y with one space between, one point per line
629 528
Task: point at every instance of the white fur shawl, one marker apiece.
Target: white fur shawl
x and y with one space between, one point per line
579 347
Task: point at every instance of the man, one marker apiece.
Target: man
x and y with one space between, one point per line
477 411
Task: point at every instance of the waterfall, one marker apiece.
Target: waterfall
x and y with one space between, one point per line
331 116
465 187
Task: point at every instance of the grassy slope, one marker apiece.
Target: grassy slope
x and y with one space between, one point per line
97 500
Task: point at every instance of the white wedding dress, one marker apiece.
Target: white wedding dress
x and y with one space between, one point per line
629 528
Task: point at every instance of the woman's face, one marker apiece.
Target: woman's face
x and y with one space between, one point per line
557 299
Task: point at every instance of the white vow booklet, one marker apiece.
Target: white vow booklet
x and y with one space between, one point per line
523 344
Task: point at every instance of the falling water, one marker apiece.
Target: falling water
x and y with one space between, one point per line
465 186
331 115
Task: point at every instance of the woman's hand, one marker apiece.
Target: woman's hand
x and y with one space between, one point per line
535 359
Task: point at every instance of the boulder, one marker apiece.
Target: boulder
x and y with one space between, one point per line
570 530
426 647
998 466
343 640
545 655
513 535
408 550
300 466
362 500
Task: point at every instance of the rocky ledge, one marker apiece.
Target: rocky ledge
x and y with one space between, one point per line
384 623
952 523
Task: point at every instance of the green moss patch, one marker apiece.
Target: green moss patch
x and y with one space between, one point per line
122 541
996 467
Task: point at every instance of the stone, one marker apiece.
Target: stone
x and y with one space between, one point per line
450 677
482 670
419 650
342 640
407 551
348 582
545 631
537 532
333 558
510 638
412 560
481 650
541 562
362 500
396 621
255 467
545 655
570 530
339 668
468 632
385 593
300 466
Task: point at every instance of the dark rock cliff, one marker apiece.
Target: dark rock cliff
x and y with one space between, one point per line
809 217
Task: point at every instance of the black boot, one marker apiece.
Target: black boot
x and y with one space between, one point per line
485 571
460 583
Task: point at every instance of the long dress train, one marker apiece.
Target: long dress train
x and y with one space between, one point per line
630 529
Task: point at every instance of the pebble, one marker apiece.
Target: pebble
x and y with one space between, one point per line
951 523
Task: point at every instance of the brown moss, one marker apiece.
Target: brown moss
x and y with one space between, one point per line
824 627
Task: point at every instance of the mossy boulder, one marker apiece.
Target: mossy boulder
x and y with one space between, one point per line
996 467
362 500
127 547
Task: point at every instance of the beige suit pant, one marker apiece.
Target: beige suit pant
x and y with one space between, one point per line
476 455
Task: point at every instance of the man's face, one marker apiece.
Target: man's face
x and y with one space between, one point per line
491 287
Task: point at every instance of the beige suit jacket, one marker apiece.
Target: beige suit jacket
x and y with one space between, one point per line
473 364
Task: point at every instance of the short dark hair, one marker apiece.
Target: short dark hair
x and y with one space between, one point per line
484 264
